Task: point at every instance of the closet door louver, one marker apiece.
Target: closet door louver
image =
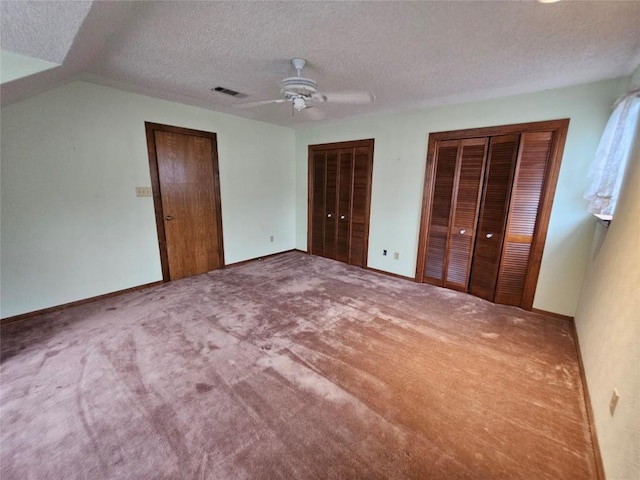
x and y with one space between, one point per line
501 164
523 209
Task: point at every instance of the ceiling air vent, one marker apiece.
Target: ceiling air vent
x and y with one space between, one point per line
228 91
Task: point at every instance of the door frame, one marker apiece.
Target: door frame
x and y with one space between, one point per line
559 128
368 143
150 129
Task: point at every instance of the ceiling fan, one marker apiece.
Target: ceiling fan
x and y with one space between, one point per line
303 93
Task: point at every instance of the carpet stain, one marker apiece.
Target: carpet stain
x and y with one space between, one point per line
203 387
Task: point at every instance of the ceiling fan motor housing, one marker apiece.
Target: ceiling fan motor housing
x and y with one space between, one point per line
298 86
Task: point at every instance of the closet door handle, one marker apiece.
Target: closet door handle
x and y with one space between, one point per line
168 217
462 232
489 235
329 215
342 217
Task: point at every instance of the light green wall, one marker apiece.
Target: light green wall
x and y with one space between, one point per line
399 166
634 81
72 227
608 326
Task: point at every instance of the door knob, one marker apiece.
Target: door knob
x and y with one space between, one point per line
328 215
462 231
168 217
342 217
489 235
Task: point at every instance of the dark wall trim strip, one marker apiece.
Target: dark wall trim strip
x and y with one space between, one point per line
244 262
57 308
587 401
552 314
64 306
403 277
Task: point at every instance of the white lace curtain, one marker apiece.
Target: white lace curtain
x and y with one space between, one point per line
612 156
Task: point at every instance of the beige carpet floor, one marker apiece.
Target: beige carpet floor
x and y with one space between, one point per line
292 367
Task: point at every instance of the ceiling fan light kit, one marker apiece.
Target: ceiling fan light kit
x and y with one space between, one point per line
300 91
299 103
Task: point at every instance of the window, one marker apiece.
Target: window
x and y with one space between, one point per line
612 156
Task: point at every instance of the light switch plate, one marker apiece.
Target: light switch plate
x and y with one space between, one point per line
614 401
143 191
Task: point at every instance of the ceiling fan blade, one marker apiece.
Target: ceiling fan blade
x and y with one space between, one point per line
344 97
258 104
313 113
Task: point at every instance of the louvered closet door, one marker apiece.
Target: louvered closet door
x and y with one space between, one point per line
446 156
466 199
340 192
345 185
318 202
331 204
362 162
525 201
454 209
500 167
518 181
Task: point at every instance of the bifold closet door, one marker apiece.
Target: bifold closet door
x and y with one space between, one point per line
535 151
343 216
495 255
330 204
501 163
340 189
360 196
456 194
324 227
317 208
438 238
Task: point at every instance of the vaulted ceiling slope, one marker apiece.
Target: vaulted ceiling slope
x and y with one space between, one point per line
409 54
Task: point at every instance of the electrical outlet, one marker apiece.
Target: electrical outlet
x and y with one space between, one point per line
143 191
396 255
384 253
615 396
271 238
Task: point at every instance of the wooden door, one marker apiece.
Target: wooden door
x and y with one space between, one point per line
187 199
339 200
459 167
343 214
331 204
501 164
464 208
318 202
445 160
360 200
535 151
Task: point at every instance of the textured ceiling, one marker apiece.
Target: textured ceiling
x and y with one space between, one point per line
43 30
410 54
